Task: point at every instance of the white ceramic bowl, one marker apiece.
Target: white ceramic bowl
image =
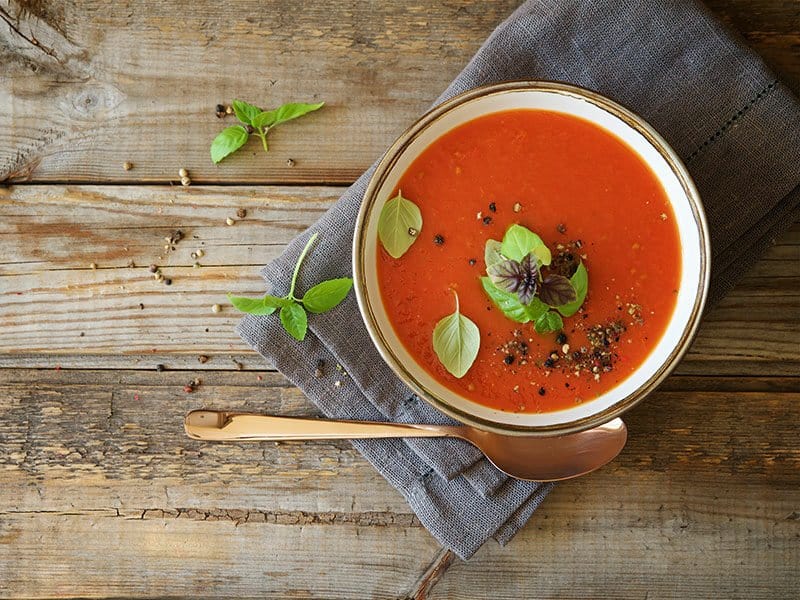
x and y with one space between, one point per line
640 137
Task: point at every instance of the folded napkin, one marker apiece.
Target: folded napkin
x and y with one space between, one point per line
670 61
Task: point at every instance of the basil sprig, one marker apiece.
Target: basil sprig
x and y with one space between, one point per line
230 139
319 299
456 340
518 286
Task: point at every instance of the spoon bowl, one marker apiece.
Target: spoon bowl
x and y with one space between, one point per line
534 458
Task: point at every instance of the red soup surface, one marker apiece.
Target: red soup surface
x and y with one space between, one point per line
591 199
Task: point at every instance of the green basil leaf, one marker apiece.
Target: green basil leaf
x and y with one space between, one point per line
227 141
520 241
456 340
264 119
295 320
399 225
245 112
292 110
510 304
491 254
580 281
557 290
324 296
549 321
258 306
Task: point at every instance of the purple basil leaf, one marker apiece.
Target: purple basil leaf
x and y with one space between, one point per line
556 290
515 277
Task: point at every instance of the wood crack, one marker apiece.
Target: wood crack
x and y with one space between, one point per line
240 516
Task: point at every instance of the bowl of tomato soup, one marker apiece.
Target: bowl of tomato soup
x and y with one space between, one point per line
531 257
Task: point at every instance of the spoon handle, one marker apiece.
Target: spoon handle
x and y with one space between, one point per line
229 426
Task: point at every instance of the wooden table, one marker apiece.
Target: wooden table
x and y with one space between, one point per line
101 495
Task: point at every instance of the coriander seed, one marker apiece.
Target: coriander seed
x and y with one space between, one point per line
216 308
183 172
230 221
127 166
186 182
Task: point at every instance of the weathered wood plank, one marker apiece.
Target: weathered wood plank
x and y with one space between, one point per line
114 439
52 234
108 83
101 554
647 535
88 439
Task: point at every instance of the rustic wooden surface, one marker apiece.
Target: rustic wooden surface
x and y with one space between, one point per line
100 493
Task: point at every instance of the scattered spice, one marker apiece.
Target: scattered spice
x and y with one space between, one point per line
561 338
202 359
199 252
412 232
241 213
492 207
216 308
230 221
127 165
487 220
509 359
168 281
219 110
438 239
183 172
517 207
337 383
141 306
561 228
188 389
93 266
159 367
318 372
472 262
289 162
228 110
153 268
542 391
239 365
186 182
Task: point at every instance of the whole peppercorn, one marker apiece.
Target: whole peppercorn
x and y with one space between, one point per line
438 239
509 359
561 338
487 220
542 391
493 207
472 262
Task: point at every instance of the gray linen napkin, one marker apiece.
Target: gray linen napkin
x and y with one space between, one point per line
736 127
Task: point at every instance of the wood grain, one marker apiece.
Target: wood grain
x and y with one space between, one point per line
105 84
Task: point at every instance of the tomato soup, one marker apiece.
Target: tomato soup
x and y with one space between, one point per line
592 200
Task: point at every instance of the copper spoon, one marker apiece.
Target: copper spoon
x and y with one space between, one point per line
524 457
